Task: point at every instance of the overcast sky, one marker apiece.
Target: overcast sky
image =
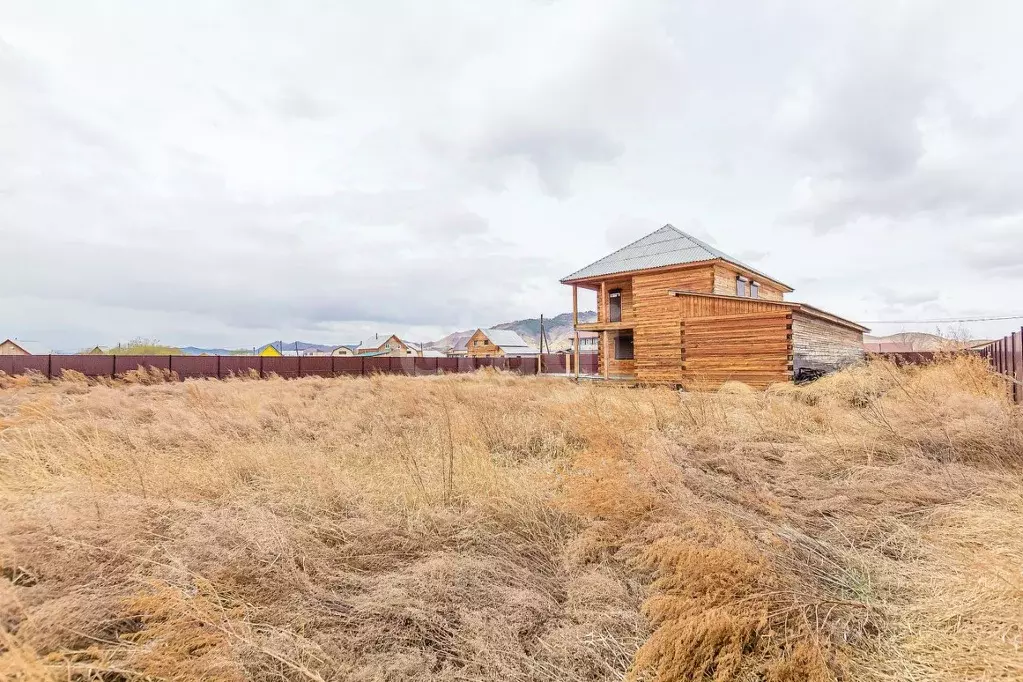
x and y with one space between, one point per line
228 173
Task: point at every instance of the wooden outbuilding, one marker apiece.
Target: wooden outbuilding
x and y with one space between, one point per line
380 345
21 347
498 343
673 309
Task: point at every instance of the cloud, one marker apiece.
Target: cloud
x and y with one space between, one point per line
892 130
328 170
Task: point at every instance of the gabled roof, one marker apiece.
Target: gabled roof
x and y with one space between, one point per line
376 341
30 347
509 341
666 246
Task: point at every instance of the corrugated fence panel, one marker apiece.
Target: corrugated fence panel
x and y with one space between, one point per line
291 367
377 365
89 365
286 367
1018 365
555 363
588 363
196 366
403 365
447 365
318 366
238 364
427 365
29 363
347 366
126 363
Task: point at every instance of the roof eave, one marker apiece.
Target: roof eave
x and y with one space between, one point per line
700 263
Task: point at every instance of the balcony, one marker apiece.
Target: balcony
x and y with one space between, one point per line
603 326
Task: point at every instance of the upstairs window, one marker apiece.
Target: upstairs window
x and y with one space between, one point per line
741 288
754 289
614 312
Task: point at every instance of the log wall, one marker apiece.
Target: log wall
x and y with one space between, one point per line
616 368
486 350
822 345
724 284
754 348
658 333
604 307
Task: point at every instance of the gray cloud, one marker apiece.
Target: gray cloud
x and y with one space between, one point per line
325 170
892 131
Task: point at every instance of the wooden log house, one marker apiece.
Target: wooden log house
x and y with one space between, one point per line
672 309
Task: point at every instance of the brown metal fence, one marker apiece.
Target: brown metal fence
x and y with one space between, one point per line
1006 357
224 366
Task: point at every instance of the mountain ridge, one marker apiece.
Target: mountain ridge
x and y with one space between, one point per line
558 329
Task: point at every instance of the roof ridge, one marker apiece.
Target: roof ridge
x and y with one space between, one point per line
689 243
633 243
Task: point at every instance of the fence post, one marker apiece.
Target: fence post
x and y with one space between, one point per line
260 366
113 366
219 375
299 366
49 366
1017 365
362 366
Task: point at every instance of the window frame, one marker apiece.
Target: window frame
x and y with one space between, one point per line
742 289
614 298
619 355
754 289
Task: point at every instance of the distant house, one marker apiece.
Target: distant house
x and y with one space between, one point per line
318 351
498 343
673 309
387 346
96 350
589 342
430 353
270 351
343 351
19 347
458 350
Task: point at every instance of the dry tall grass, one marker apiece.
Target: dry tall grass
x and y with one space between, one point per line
867 526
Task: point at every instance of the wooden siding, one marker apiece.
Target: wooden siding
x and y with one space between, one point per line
616 368
658 334
604 307
822 345
486 350
724 284
710 306
754 348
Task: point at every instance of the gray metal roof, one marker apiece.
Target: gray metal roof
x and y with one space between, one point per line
31 347
666 246
510 342
375 341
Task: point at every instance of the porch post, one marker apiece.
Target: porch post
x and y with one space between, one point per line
575 326
607 353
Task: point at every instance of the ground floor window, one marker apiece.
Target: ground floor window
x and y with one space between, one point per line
623 346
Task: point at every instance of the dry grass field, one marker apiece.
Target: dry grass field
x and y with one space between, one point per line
868 526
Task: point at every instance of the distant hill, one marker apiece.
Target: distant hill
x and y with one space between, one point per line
193 350
287 346
916 341
558 328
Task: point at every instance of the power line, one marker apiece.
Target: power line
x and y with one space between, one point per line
946 319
